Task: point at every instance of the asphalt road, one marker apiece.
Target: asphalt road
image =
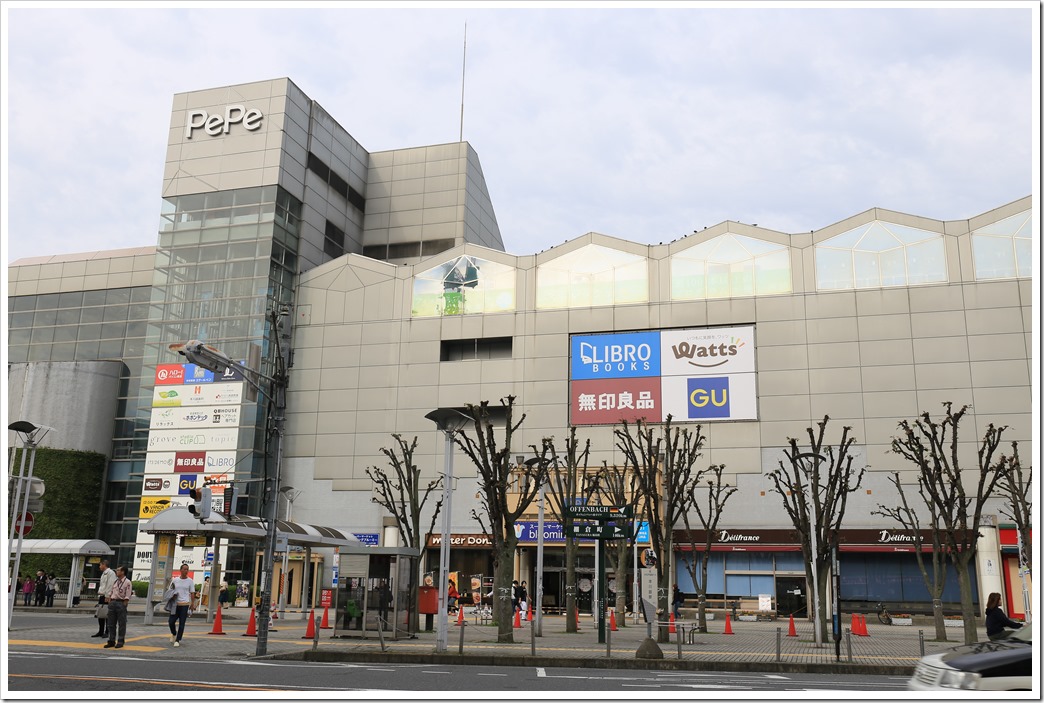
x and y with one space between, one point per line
97 673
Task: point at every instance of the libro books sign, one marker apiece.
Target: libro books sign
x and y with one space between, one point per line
694 375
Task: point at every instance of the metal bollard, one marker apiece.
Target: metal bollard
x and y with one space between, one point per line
920 640
848 643
608 643
779 644
679 630
380 636
460 648
315 639
532 638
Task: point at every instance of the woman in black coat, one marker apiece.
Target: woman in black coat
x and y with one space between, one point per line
996 621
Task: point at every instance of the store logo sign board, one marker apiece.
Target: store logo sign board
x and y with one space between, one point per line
208 438
170 374
221 123
629 355
693 375
197 394
183 418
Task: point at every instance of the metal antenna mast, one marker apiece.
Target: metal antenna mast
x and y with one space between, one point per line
463 67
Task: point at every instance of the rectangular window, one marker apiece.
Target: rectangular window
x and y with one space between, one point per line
376 251
405 250
467 349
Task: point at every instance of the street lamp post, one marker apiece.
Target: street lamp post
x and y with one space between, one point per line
31 435
539 589
448 420
213 359
290 494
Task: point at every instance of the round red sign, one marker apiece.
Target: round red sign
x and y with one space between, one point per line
24 524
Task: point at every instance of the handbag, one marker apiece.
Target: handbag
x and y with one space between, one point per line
101 611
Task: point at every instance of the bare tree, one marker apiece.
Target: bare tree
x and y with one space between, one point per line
501 505
664 486
619 487
906 516
566 481
708 513
828 474
1016 488
402 495
933 448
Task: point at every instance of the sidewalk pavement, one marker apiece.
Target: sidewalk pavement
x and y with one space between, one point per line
764 646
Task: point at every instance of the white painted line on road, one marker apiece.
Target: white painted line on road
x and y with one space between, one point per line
435 672
492 674
374 669
777 676
541 673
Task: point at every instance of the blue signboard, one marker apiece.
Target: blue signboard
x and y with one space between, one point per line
627 355
370 539
197 374
186 482
708 397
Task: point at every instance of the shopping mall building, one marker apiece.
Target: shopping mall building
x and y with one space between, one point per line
403 300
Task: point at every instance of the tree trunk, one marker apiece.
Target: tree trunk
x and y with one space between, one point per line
663 599
971 634
503 574
940 621
570 584
701 593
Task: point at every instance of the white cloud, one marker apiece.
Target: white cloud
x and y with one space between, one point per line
643 124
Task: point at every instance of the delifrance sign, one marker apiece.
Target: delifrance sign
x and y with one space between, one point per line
693 375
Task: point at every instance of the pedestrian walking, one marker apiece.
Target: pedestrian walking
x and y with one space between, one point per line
677 599
514 596
108 577
452 596
27 590
52 588
118 598
997 623
523 596
204 594
184 591
223 595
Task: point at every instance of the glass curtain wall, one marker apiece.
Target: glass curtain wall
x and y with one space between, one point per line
224 260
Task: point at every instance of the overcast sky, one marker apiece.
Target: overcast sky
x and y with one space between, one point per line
643 124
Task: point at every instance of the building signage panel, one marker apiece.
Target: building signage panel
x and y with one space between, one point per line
151 506
159 463
713 351
197 394
183 418
370 539
170 374
627 355
697 375
190 462
209 438
186 482
198 374
160 485
608 401
221 123
462 541
730 397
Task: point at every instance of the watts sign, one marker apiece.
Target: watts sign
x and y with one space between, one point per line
694 375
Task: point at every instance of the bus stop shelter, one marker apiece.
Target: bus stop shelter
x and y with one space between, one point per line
179 521
79 548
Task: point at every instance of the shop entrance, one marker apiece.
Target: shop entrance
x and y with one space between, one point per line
791 596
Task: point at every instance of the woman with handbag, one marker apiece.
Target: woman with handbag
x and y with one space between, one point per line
178 597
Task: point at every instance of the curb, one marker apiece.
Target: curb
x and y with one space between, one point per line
588 663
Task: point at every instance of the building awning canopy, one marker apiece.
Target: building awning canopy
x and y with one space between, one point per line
178 520
80 547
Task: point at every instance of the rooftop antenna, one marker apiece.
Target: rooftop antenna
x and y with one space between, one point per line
463 67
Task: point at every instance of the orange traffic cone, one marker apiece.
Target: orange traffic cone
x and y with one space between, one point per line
273 611
310 632
672 629
578 619
217 624
612 620
518 618
862 626
251 626
460 615
529 615
326 620
855 624
728 625
793 630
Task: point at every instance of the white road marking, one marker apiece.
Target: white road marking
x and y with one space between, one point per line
492 674
541 673
435 672
777 676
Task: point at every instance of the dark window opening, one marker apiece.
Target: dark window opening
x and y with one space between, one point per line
336 182
404 250
376 251
435 246
466 349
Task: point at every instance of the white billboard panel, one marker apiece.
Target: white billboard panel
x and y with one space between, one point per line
704 398
193 439
199 394
186 417
713 351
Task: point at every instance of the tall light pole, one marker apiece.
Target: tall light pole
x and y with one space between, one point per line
449 421
290 494
213 359
31 435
